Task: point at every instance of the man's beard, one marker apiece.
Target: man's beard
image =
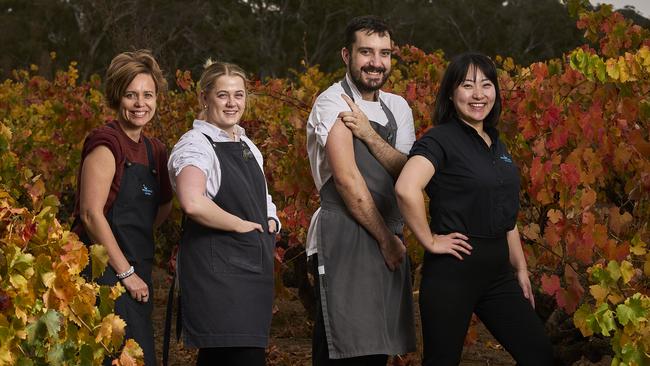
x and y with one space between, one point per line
364 87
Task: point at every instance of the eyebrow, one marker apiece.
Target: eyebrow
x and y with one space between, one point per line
135 91
371 48
486 79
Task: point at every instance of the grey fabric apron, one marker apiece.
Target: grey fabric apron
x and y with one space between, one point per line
367 309
131 219
226 278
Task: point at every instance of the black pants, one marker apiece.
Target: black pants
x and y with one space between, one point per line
320 354
483 283
231 356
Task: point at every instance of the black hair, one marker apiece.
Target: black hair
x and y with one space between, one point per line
444 110
370 23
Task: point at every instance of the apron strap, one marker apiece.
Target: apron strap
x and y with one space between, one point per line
392 122
152 164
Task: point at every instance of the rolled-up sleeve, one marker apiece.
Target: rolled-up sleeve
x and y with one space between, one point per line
325 112
192 150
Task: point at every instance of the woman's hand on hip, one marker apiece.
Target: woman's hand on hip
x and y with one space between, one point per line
245 226
524 282
136 287
453 244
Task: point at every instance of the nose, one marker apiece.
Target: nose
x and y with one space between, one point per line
478 93
229 102
139 101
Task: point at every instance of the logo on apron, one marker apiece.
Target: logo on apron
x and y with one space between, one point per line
146 190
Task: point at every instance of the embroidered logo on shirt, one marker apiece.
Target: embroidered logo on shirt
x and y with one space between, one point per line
505 158
146 190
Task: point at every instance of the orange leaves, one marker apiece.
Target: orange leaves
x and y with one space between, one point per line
618 222
184 80
47 311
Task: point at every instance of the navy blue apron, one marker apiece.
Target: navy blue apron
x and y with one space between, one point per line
226 278
131 219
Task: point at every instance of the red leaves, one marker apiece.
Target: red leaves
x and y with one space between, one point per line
570 176
5 301
550 284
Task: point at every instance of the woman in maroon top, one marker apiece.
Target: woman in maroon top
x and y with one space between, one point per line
124 190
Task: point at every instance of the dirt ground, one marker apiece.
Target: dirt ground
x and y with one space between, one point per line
290 343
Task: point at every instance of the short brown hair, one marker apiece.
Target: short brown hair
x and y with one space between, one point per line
124 68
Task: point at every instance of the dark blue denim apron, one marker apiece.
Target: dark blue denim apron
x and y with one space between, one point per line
131 219
226 278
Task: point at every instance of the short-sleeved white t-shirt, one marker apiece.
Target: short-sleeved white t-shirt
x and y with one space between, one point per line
323 116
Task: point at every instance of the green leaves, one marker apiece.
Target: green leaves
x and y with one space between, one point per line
98 259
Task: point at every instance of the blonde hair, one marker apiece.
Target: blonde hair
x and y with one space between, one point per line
124 68
212 70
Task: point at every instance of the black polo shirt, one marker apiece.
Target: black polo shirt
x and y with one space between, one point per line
475 188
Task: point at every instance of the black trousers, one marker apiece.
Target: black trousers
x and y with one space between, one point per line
483 283
231 356
320 354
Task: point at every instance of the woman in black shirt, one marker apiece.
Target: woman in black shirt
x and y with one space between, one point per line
473 261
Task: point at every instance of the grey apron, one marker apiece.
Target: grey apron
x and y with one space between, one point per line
226 278
367 309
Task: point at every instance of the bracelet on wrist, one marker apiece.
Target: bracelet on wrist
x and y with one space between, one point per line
126 274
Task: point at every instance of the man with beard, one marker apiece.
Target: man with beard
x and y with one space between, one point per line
357 139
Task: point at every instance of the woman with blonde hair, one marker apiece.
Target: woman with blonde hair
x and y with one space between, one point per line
124 190
225 260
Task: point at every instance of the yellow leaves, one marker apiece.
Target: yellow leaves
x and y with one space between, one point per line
132 355
599 293
627 271
111 330
625 68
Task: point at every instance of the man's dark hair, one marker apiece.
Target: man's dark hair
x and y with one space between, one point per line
444 110
370 23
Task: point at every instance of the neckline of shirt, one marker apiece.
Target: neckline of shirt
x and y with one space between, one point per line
490 130
216 132
132 145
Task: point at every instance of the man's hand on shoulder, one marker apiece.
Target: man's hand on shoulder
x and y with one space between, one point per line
356 120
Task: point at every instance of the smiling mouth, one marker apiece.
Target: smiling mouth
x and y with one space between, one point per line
230 113
373 71
477 105
138 114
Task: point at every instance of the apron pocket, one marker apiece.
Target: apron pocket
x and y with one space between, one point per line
237 253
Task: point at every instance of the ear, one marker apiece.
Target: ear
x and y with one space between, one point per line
345 55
